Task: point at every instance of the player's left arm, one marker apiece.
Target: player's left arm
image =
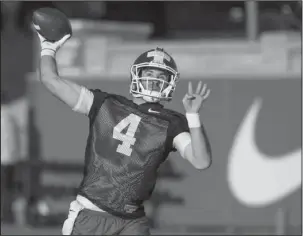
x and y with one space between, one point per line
194 145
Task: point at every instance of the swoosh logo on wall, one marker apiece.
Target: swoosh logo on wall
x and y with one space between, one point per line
256 179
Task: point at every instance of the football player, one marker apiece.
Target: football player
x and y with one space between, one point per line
128 140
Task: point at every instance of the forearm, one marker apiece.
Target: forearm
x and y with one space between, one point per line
200 147
201 150
48 68
67 91
49 75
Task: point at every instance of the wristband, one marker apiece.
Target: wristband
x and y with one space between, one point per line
193 120
48 52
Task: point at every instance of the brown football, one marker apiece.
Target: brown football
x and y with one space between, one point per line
51 23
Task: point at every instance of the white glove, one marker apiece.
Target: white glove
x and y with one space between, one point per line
50 48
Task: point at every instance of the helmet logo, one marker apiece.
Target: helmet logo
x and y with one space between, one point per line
158 56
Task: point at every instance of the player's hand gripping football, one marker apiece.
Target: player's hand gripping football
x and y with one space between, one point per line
193 101
51 46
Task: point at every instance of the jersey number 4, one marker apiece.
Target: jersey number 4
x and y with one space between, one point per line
132 122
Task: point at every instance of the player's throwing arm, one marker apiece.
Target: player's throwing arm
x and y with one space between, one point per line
54 29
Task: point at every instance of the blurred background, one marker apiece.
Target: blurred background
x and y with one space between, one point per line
249 54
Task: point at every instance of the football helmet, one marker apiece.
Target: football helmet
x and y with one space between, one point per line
142 86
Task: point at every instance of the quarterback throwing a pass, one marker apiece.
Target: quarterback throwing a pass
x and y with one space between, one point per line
128 140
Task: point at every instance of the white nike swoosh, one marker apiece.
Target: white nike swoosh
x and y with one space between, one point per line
254 178
152 111
37 27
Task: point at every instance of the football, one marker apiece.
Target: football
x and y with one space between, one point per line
51 23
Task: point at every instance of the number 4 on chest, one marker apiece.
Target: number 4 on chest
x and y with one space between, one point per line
128 139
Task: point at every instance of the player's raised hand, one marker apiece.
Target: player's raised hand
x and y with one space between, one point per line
53 46
53 28
193 101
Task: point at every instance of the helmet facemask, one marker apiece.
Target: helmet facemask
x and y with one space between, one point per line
152 89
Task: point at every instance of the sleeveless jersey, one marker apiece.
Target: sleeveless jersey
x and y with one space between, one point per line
125 147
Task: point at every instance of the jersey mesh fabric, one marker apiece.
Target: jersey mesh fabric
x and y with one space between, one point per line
118 177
